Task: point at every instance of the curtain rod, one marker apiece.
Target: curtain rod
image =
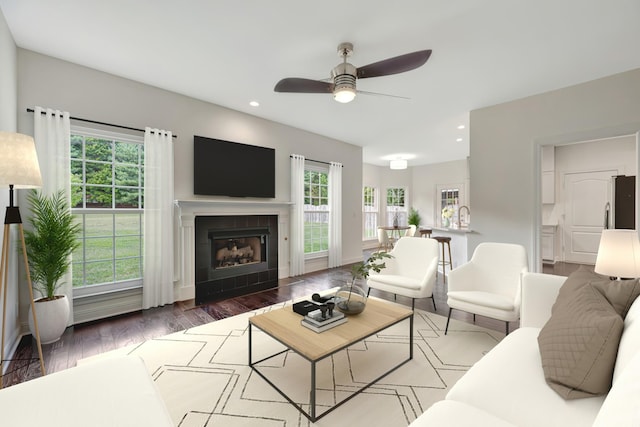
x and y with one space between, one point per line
317 161
31 110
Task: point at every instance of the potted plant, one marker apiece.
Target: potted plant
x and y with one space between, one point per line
414 217
351 298
49 244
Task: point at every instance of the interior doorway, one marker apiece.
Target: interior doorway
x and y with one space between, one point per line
580 178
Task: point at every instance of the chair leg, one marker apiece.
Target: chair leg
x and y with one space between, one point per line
413 304
368 292
448 318
474 318
433 300
506 328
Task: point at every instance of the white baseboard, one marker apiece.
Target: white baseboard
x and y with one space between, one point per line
86 309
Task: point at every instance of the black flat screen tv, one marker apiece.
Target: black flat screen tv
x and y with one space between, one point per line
225 168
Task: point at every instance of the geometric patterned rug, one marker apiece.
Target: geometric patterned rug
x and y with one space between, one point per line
204 378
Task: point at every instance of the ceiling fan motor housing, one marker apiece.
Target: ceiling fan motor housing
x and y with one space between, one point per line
344 76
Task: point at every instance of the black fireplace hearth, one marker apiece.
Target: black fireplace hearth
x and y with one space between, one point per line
235 255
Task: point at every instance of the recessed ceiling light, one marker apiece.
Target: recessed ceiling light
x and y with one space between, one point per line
459 140
461 127
254 103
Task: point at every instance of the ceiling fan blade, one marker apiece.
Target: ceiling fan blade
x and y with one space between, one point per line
364 92
299 85
398 64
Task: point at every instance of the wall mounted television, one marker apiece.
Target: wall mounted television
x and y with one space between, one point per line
225 168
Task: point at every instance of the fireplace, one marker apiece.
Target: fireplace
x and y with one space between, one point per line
235 255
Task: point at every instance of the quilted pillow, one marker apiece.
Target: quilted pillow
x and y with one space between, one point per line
579 343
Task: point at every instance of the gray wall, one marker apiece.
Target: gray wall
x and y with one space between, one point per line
505 149
8 96
87 93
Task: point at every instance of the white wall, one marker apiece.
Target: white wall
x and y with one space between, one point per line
8 97
505 149
87 93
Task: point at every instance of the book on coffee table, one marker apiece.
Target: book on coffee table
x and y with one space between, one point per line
315 317
307 323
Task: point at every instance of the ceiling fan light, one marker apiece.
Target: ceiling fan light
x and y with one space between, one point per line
344 94
398 164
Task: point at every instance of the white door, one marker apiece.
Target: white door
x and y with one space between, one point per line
586 195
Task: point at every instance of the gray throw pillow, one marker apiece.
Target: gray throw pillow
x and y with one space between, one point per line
579 343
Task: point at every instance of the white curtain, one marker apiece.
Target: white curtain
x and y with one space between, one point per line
335 214
52 135
157 282
297 215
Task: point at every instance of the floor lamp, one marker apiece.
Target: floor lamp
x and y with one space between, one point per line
18 169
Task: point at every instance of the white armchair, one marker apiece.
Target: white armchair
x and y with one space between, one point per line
412 270
411 231
490 283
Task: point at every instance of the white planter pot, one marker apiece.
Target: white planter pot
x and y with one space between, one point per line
52 319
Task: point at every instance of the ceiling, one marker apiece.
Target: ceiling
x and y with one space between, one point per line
230 52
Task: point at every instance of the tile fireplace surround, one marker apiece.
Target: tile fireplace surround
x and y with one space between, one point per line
184 229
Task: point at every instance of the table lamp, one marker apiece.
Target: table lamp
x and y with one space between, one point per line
619 254
18 169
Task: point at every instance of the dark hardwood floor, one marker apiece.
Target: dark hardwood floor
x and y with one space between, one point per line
92 338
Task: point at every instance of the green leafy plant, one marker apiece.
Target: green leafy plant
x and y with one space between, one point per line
375 262
50 242
414 217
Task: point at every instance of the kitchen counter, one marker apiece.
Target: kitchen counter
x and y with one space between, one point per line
464 230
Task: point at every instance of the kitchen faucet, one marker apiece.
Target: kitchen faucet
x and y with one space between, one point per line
460 217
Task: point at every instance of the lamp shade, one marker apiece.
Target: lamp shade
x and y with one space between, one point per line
619 254
18 161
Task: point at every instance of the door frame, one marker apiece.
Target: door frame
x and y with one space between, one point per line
574 138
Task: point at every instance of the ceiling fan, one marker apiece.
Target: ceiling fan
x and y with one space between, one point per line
343 77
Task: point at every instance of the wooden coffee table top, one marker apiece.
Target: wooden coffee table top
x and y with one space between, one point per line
284 325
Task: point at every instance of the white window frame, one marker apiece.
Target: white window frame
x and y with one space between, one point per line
370 213
455 204
311 210
82 213
402 211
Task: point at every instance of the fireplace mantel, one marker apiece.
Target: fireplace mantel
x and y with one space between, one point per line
184 230
244 203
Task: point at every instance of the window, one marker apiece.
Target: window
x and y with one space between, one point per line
449 204
396 206
370 212
316 211
107 172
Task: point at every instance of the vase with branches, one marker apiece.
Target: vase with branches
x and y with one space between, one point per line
351 298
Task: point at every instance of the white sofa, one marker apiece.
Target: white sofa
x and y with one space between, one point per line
507 386
109 392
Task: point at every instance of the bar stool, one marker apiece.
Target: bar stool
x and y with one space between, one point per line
425 232
443 261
